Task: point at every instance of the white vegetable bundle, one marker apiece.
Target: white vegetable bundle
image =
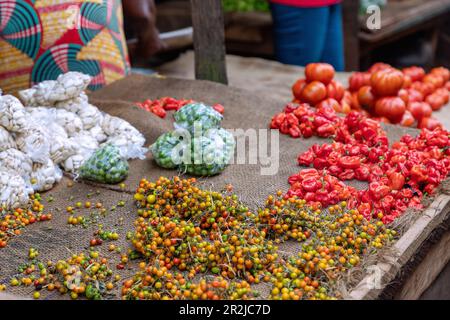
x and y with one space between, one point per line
47 93
123 135
16 161
58 127
6 140
12 114
34 141
44 176
14 191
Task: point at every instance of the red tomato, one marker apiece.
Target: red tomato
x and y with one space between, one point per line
441 71
314 92
392 108
330 103
435 100
347 97
322 72
387 82
404 95
358 80
424 88
443 92
298 87
414 95
436 80
355 101
429 123
379 66
335 90
407 119
407 82
420 110
366 98
447 85
414 72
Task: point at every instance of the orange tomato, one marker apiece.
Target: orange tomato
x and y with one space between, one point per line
414 73
366 98
358 80
314 92
298 87
407 119
420 110
322 72
441 71
387 82
392 108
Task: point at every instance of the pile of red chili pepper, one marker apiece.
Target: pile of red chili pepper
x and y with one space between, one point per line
398 175
160 106
303 120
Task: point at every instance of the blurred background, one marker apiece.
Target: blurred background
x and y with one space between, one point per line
413 32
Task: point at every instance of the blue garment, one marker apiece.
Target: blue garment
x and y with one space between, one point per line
305 35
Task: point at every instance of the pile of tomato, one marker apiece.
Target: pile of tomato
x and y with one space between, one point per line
160 106
12 222
319 86
183 230
407 97
398 175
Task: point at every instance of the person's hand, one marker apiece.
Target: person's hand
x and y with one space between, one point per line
141 14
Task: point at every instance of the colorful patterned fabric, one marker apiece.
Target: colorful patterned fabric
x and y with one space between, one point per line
40 39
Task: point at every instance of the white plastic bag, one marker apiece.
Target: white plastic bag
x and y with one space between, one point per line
90 116
6 140
97 133
69 121
62 148
12 114
17 162
44 176
14 192
73 105
34 142
73 163
46 93
123 135
85 142
130 145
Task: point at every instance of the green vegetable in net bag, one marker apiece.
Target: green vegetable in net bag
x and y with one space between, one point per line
211 153
162 150
106 165
197 114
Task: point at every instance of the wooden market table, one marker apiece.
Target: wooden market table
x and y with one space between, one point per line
399 19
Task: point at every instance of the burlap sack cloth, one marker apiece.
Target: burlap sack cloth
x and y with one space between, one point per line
243 110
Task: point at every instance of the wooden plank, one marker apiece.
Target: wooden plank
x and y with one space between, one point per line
424 275
398 17
351 41
404 249
209 40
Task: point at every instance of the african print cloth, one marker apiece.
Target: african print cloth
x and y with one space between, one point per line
40 39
